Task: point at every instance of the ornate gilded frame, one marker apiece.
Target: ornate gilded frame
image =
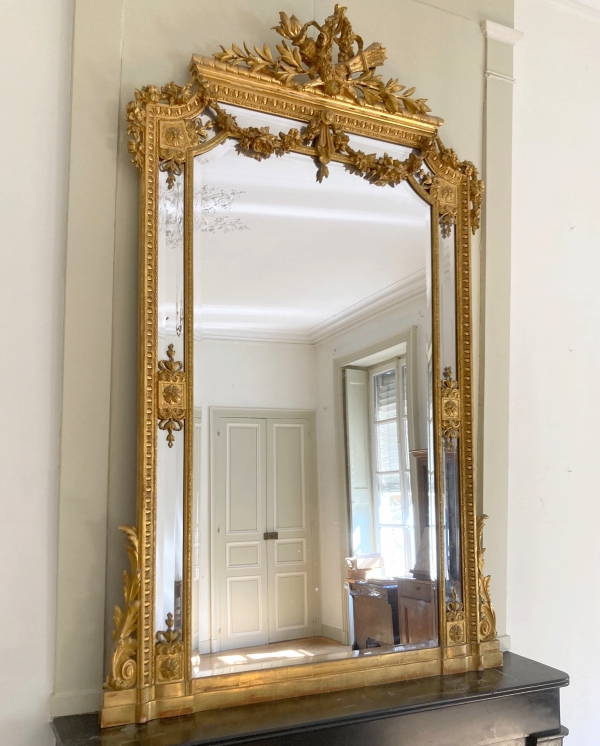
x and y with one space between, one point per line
150 674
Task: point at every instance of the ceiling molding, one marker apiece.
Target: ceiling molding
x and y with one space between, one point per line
360 313
370 308
590 8
591 4
252 335
498 32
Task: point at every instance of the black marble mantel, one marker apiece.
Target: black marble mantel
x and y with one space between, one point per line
518 705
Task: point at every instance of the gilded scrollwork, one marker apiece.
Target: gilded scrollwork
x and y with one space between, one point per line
308 64
487 615
446 196
448 159
169 652
450 410
171 395
455 620
123 669
171 94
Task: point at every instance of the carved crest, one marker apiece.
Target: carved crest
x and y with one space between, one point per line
308 63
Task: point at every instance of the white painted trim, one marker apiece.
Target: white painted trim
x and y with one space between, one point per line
366 310
499 76
498 32
74 703
505 643
371 307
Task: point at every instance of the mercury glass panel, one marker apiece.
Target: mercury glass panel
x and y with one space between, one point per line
169 495
450 453
312 353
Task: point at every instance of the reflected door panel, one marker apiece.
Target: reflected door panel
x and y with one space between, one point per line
240 503
288 510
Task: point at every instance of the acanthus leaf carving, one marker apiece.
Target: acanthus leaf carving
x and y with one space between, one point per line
123 670
487 615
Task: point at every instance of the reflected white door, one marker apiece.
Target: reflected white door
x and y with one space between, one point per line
240 507
262 485
288 511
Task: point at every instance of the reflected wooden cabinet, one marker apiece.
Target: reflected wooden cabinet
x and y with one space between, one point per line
393 612
416 610
375 607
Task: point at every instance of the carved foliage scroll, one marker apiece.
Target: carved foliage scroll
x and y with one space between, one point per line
487 615
308 63
123 669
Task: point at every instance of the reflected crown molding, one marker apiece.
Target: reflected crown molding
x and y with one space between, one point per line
588 7
356 315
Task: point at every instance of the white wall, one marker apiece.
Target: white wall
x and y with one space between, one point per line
250 375
554 505
35 59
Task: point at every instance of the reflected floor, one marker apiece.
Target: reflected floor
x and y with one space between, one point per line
290 652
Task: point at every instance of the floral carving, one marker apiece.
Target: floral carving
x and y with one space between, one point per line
448 159
455 619
351 77
169 651
327 139
450 410
487 615
171 94
123 670
171 395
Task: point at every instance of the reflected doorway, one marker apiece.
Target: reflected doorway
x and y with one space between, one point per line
264 519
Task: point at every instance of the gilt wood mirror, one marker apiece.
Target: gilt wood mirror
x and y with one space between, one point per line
306 516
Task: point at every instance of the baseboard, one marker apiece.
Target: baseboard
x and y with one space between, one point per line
333 632
504 641
75 703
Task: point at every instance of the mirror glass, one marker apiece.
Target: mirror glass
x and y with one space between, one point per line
450 450
315 523
170 444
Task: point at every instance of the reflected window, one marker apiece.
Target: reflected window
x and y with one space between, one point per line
394 518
